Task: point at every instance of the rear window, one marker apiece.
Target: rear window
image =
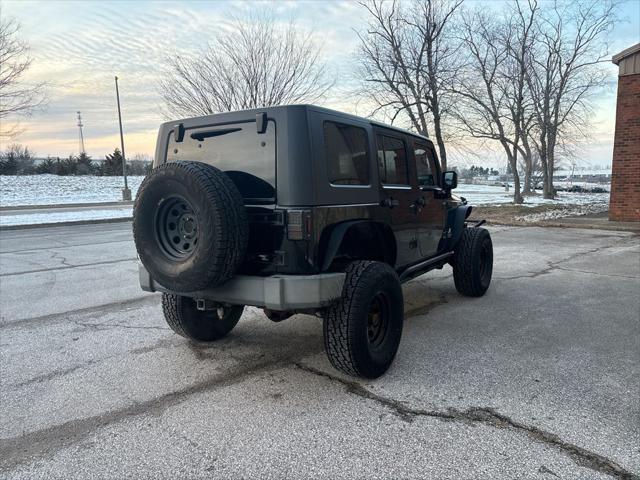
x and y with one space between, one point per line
247 157
346 154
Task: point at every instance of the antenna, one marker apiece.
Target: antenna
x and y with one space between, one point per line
80 138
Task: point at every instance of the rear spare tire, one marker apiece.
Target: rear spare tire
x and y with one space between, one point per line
190 226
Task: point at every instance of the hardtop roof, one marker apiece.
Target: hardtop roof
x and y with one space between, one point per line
317 109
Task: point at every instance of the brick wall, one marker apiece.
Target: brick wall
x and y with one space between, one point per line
625 175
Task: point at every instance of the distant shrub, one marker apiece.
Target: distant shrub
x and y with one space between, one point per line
17 160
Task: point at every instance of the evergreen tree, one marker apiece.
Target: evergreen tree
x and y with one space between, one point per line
47 166
84 164
112 164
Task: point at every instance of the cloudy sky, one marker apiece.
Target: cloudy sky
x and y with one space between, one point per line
79 46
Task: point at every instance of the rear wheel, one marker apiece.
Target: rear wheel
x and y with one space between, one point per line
362 330
473 262
186 320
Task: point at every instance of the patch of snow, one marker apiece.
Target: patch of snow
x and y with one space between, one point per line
58 217
53 189
565 211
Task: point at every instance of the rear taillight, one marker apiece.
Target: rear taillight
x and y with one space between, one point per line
299 224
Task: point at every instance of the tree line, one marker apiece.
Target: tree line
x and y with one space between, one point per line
517 76
521 78
19 160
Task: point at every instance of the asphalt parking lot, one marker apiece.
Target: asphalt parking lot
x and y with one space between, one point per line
538 379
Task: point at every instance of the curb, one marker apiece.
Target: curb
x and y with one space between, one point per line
65 224
556 224
8 208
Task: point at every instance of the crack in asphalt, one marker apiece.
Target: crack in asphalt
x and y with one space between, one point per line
612 275
52 375
551 266
66 266
64 316
64 245
110 326
16 450
485 416
162 343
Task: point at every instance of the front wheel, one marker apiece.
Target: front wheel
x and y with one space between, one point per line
473 262
362 330
186 320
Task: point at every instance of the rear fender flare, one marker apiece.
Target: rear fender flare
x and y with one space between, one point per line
338 232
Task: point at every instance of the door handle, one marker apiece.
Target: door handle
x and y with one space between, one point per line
389 202
417 205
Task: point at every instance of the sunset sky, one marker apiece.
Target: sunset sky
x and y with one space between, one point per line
78 47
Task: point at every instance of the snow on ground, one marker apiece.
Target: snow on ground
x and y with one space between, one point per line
492 195
59 217
54 189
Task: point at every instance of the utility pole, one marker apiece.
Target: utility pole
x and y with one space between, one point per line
81 138
126 193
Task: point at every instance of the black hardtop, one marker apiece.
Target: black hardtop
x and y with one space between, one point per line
276 111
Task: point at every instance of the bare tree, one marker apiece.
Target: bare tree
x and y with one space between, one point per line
255 64
16 97
493 88
408 62
563 73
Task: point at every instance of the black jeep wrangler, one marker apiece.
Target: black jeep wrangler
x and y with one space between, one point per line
300 209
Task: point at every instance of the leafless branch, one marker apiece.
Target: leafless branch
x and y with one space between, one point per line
17 98
256 64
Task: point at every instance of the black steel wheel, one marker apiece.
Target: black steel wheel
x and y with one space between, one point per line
378 320
473 262
176 226
362 330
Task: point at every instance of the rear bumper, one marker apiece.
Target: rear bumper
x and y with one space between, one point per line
277 292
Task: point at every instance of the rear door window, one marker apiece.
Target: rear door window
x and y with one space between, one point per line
346 153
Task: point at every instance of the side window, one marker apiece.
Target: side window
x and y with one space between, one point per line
346 154
392 161
424 165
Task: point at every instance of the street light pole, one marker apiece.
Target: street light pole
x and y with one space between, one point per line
126 193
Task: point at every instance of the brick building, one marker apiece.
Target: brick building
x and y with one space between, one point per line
625 175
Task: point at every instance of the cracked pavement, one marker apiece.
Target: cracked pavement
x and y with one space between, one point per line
538 379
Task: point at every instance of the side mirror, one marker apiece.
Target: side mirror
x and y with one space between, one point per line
449 180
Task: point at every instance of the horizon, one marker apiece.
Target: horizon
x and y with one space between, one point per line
78 48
